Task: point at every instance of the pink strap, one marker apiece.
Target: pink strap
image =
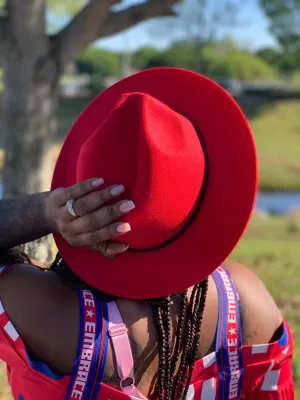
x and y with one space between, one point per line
123 355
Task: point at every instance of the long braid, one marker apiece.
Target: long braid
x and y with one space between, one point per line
166 311
179 329
198 322
183 366
157 316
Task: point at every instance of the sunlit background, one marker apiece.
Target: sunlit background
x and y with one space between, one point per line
250 47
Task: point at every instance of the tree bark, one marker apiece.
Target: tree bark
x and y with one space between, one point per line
29 104
28 124
97 20
83 29
122 20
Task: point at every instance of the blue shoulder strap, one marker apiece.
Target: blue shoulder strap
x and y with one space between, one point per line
229 338
103 352
92 348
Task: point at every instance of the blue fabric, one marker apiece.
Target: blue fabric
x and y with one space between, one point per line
102 362
283 341
222 351
221 338
92 375
80 344
99 336
43 368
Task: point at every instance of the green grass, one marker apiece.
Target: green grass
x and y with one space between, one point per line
4 388
271 247
276 129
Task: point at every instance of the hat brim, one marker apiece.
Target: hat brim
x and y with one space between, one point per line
227 205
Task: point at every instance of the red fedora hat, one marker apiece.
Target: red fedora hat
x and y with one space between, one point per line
184 152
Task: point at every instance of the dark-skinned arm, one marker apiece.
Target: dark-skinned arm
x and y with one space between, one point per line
23 220
31 217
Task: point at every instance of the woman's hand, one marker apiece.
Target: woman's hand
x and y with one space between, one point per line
95 225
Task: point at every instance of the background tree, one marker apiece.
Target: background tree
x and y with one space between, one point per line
224 59
284 18
33 63
148 57
200 22
98 61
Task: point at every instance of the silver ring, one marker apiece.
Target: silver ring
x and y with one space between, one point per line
70 208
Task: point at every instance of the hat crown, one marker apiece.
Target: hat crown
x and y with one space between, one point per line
161 163
156 154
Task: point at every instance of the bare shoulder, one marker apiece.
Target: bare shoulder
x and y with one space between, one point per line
261 318
42 309
28 294
25 287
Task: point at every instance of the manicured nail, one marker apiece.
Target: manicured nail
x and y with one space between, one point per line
125 249
127 206
98 182
124 228
116 190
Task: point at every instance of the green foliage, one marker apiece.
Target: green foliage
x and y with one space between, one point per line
243 66
289 61
148 57
181 54
270 55
67 7
225 59
97 84
295 79
184 55
284 17
285 61
217 59
100 62
296 365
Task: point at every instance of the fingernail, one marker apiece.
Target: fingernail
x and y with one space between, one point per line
116 190
98 182
127 206
124 228
125 249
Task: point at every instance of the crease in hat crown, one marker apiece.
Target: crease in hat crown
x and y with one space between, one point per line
156 154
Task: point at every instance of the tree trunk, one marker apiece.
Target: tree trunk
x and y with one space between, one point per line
28 122
31 77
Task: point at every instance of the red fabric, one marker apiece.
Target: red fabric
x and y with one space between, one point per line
267 372
142 132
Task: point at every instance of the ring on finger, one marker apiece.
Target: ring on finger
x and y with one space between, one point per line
70 208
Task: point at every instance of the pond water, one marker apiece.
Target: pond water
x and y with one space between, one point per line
278 202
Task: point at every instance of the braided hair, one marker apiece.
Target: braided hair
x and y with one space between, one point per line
174 371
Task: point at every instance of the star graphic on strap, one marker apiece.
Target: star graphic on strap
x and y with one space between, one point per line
90 313
232 331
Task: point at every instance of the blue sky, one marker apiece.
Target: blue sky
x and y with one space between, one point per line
252 32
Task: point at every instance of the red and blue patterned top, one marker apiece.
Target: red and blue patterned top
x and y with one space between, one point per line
232 371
